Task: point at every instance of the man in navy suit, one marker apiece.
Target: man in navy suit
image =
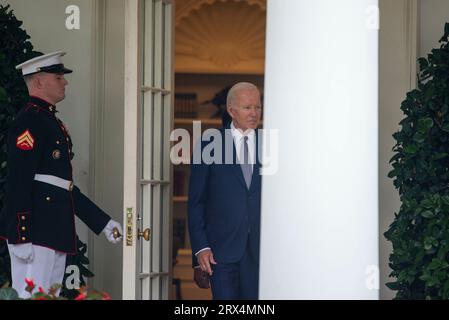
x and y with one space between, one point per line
224 201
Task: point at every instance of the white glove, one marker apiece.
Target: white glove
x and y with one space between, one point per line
109 231
23 251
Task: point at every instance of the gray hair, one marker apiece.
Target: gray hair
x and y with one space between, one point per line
241 86
29 79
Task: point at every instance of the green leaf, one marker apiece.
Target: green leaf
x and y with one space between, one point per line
419 137
423 63
427 214
439 156
425 124
393 286
8 294
412 149
3 94
435 264
446 33
445 127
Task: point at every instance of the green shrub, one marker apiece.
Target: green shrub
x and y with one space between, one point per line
420 231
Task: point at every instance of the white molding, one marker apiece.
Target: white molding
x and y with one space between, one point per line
131 103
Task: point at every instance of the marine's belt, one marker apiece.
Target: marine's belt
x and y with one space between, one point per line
55 181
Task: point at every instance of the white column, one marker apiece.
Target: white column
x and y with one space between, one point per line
320 210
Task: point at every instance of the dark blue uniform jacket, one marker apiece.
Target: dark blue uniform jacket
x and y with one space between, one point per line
38 212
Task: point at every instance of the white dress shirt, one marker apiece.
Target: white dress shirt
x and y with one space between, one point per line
239 136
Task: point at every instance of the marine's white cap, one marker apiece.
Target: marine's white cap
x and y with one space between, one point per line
51 63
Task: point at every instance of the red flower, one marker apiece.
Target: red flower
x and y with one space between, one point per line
30 285
81 296
106 296
41 290
30 282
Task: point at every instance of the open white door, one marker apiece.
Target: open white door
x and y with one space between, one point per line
147 167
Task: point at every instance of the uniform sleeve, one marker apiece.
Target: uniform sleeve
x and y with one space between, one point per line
25 141
95 218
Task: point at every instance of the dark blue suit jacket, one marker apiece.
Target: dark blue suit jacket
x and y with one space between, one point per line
223 214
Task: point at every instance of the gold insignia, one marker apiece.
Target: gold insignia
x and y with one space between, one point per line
56 154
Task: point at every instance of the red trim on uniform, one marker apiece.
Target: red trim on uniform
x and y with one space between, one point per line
18 229
30 104
36 97
40 245
39 108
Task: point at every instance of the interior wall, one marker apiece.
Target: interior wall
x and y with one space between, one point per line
45 22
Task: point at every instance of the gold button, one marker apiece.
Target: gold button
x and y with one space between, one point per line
48 198
24 229
58 142
23 217
23 238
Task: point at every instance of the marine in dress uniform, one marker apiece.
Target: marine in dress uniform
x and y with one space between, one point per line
38 219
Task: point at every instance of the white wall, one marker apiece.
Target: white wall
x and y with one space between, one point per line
44 21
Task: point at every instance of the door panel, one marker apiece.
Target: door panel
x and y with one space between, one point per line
153 78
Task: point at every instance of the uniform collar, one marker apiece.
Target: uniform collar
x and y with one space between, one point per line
41 103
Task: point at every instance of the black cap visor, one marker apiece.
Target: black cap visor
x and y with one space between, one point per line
56 68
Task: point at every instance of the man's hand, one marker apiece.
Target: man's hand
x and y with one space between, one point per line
205 258
109 231
23 251
202 279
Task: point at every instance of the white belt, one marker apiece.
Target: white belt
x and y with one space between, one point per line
56 181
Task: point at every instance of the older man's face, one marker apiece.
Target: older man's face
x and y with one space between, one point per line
246 109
